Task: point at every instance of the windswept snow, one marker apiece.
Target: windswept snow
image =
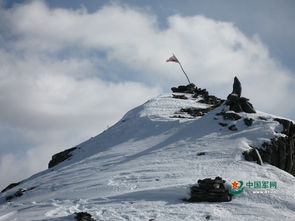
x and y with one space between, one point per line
142 168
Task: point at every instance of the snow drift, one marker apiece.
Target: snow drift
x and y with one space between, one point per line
142 167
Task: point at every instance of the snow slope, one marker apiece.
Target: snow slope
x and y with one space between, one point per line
143 166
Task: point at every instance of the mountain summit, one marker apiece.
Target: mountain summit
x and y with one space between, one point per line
145 165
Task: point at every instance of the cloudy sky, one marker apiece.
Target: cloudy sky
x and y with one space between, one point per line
70 69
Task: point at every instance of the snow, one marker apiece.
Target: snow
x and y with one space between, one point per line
142 167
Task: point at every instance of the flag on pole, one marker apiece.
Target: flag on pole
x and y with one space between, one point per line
173 59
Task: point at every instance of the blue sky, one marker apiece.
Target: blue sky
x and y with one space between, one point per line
70 69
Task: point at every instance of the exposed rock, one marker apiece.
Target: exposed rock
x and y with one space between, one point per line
233 101
262 118
288 126
179 96
236 102
279 152
223 124
83 216
209 190
197 92
233 127
248 121
206 98
203 97
200 92
10 186
239 104
201 153
237 87
209 99
253 155
184 89
246 106
195 112
231 116
60 157
220 113
181 116
18 193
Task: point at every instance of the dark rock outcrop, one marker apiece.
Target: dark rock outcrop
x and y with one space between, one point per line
209 190
222 124
253 155
237 87
10 186
210 99
206 98
233 127
184 88
18 193
201 153
197 93
288 126
179 96
181 116
83 216
237 103
246 106
200 92
60 157
262 118
280 151
195 112
231 116
248 121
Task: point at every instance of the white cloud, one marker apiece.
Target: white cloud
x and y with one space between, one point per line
55 110
217 50
54 62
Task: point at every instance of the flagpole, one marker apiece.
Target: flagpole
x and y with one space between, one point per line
184 72
174 59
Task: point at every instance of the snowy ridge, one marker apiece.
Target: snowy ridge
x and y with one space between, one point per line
141 168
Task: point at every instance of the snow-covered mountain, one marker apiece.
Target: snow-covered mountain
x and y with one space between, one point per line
142 167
